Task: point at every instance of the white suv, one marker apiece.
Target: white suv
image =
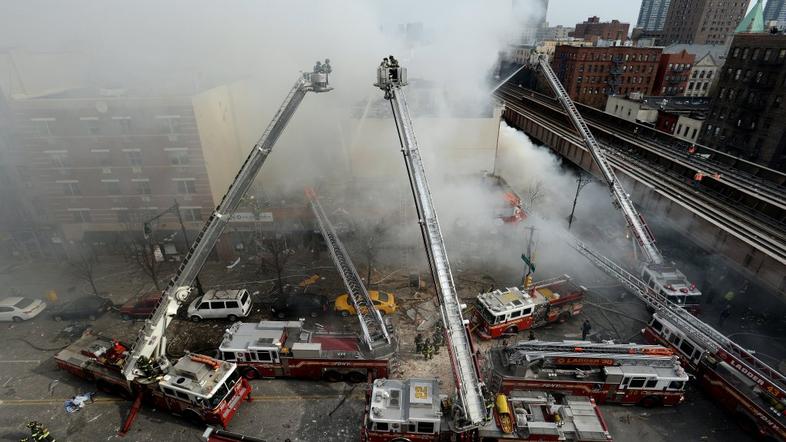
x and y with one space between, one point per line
221 304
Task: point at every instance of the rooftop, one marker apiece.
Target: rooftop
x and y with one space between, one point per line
198 375
400 402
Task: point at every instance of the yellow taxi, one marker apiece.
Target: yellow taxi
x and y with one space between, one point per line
384 302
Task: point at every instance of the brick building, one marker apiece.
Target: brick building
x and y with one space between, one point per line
673 73
702 21
593 30
748 108
591 74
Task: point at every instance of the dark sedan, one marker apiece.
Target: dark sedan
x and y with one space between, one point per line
299 305
88 307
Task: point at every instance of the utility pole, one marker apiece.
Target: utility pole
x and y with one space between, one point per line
582 180
496 148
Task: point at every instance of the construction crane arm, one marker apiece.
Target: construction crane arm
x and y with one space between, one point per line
151 342
634 220
375 333
390 78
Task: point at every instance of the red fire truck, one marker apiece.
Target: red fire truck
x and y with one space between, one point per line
498 313
275 349
412 410
751 391
648 375
197 387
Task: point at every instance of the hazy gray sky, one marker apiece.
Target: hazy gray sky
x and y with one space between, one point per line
570 12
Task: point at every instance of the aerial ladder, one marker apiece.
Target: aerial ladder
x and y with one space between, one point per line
702 334
375 333
149 350
471 404
634 220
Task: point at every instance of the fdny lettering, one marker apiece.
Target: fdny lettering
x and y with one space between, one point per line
755 378
342 364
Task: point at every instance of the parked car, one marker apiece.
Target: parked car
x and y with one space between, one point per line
383 301
90 307
299 305
220 304
20 309
140 307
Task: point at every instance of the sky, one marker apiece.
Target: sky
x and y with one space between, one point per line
570 12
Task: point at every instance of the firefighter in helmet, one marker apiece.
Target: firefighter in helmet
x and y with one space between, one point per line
428 349
38 433
418 343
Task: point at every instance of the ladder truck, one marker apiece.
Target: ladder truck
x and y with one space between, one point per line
748 388
661 276
198 387
470 405
648 375
375 332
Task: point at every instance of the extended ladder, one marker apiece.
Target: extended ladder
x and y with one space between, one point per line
565 359
591 347
374 331
151 341
465 368
695 329
634 220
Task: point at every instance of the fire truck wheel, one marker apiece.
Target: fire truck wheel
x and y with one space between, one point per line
563 317
512 330
355 377
17 319
401 439
193 417
650 402
250 373
332 376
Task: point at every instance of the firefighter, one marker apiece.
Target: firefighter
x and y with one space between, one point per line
318 67
531 335
586 327
729 296
419 343
393 62
725 313
38 433
428 350
438 337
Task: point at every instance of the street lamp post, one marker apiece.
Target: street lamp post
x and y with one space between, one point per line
148 230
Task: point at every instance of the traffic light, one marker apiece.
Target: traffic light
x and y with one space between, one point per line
528 281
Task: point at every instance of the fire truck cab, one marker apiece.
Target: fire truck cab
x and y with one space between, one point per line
671 283
498 312
272 349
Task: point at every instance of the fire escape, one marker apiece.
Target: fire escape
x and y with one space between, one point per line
615 75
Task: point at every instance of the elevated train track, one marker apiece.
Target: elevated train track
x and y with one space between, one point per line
719 207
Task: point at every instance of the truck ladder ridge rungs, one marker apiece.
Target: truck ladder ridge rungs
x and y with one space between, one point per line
375 332
150 342
695 329
468 384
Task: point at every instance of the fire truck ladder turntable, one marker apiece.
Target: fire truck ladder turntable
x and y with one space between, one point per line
698 331
468 385
151 342
634 220
374 331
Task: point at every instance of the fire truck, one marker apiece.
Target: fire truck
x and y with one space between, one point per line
647 375
500 313
198 387
413 410
752 391
283 349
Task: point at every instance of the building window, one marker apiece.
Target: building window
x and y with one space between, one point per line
781 54
42 126
134 157
71 189
756 53
767 54
186 186
143 188
81 215
112 187
179 156
690 86
745 53
169 124
737 74
191 213
759 76
735 52
58 159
